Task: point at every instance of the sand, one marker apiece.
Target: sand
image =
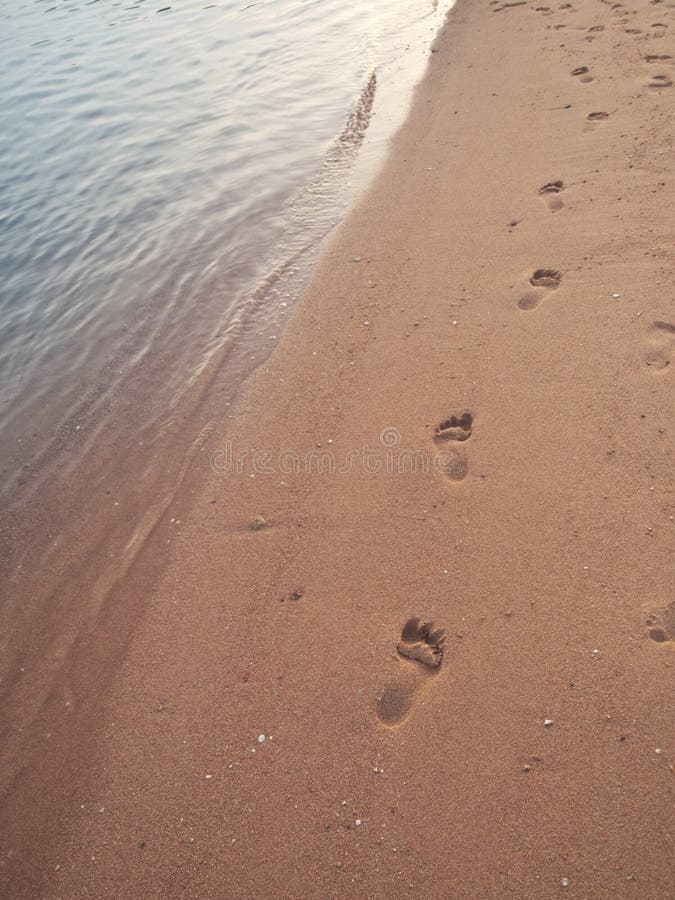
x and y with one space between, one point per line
408 626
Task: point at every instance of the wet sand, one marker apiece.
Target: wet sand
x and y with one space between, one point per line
445 666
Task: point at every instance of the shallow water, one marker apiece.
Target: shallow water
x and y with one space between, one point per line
157 162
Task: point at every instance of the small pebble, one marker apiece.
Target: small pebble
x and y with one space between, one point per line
548 723
261 738
616 296
565 882
358 822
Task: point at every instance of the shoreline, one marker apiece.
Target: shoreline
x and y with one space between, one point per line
159 346
526 336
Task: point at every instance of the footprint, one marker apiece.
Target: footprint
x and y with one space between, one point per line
661 627
550 191
658 343
658 82
419 654
582 73
449 434
509 6
593 119
543 281
593 32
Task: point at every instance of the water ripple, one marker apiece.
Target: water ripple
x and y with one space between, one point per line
147 153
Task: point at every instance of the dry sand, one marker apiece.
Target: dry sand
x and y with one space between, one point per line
532 524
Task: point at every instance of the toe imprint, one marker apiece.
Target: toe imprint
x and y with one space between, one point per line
546 278
552 187
456 428
421 642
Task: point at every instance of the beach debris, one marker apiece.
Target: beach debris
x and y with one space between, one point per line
595 653
565 882
208 777
358 823
616 296
258 523
261 738
548 723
